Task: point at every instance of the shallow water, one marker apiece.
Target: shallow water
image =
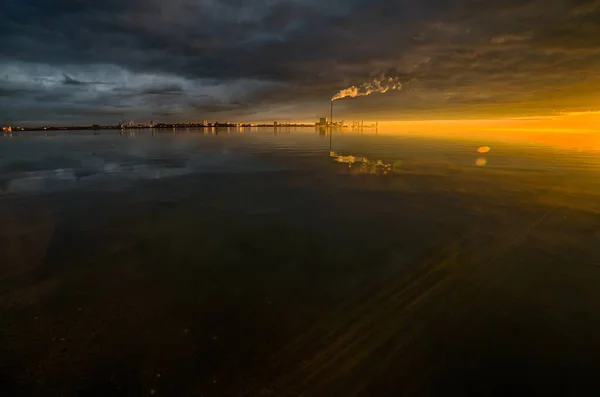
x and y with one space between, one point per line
261 262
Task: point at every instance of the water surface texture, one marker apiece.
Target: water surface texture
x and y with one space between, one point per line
260 263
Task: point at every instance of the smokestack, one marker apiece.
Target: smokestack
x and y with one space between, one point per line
331 118
331 129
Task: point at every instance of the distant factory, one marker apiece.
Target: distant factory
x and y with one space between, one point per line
325 122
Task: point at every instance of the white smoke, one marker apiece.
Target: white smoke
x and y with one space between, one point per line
379 85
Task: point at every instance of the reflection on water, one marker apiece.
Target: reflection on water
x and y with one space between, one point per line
63 161
65 179
363 165
251 263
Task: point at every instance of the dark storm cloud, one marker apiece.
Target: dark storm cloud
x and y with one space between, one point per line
231 58
68 80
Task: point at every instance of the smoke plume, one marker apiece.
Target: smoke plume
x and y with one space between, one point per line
379 85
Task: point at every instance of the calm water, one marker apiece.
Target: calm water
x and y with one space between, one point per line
263 264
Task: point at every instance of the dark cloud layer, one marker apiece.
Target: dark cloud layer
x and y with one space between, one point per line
103 61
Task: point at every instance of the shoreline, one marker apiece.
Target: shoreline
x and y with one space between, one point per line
158 126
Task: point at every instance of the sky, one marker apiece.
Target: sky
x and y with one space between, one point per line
534 63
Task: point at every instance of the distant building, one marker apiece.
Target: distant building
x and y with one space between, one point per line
205 123
7 129
323 121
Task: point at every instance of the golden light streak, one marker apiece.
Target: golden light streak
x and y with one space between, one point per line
567 130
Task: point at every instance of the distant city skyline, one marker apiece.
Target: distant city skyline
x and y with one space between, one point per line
185 61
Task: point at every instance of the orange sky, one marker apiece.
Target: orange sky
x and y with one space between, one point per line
574 130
